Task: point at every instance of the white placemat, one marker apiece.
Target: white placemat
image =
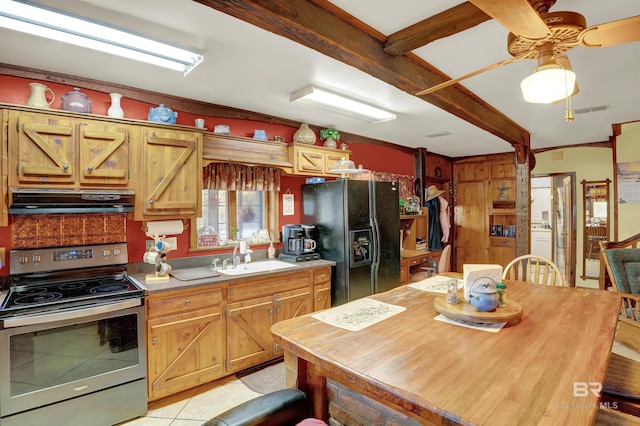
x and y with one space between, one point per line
358 314
435 284
485 326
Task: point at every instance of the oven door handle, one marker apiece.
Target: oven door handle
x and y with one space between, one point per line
79 312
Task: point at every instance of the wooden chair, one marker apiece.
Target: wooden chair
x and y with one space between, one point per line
595 233
622 382
533 269
442 265
623 268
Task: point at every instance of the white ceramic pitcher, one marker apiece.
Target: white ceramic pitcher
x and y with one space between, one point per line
38 97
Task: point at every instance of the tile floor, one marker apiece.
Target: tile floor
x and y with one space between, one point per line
193 408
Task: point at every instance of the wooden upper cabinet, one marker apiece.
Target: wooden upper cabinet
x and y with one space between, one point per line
103 154
169 174
315 160
470 172
42 149
503 171
67 151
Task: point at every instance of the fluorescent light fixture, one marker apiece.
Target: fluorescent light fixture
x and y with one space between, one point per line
340 104
52 24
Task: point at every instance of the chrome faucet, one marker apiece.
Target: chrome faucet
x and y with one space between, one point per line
234 257
214 264
224 263
242 247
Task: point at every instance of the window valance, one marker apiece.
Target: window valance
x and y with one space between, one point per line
237 177
406 183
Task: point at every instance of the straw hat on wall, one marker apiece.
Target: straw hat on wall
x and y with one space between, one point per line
433 192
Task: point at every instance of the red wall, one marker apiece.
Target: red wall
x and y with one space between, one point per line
15 90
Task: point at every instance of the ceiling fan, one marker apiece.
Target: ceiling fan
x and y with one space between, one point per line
536 33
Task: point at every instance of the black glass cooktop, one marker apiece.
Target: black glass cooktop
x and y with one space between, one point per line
34 296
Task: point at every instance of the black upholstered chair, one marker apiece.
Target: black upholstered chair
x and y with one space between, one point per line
286 407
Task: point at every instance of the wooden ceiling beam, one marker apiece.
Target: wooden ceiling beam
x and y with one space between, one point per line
308 23
444 24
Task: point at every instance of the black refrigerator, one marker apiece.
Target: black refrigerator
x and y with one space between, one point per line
357 225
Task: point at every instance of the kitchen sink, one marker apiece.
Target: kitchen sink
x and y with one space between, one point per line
262 266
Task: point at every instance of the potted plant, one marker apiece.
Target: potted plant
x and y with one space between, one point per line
330 136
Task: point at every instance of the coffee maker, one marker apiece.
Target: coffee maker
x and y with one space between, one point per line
298 244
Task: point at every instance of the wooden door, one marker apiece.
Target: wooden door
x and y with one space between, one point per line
44 149
103 153
249 340
170 174
470 222
184 351
292 304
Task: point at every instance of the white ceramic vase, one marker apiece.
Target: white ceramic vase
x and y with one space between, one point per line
330 143
304 135
115 110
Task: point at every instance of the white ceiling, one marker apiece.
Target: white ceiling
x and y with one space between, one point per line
249 68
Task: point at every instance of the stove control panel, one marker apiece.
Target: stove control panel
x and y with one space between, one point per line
59 258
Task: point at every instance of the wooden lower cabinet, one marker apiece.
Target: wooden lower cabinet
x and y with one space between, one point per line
185 347
195 336
249 340
321 289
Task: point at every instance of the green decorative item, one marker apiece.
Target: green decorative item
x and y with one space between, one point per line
330 134
330 137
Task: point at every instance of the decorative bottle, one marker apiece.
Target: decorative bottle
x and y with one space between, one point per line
502 292
115 110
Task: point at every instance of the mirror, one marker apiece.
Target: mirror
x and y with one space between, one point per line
595 196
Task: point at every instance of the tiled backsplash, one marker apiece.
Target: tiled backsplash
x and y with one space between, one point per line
57 230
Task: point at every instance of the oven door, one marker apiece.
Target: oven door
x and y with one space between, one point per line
54 357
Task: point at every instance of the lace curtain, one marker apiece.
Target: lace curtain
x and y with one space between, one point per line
237 177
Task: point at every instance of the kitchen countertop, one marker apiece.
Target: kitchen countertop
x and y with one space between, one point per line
172 283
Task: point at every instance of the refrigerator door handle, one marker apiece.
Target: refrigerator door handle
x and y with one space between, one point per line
375 228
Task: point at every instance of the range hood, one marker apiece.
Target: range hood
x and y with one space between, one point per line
54 200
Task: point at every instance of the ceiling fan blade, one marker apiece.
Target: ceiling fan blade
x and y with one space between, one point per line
612 33
518 16
471 74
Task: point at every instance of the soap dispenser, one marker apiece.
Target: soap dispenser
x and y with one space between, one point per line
271 251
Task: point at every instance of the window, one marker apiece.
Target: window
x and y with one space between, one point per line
228 215
238 202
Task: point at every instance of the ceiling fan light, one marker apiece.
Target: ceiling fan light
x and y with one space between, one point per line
548 83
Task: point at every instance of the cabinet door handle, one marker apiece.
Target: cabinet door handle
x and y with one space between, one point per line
187 302
90 168
278 310
65 166
154 340
270 311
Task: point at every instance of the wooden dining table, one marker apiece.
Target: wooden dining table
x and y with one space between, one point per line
546 369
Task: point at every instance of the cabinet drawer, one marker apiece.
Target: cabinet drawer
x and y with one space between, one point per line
321 275
503 242
419 260
182 301
268 285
